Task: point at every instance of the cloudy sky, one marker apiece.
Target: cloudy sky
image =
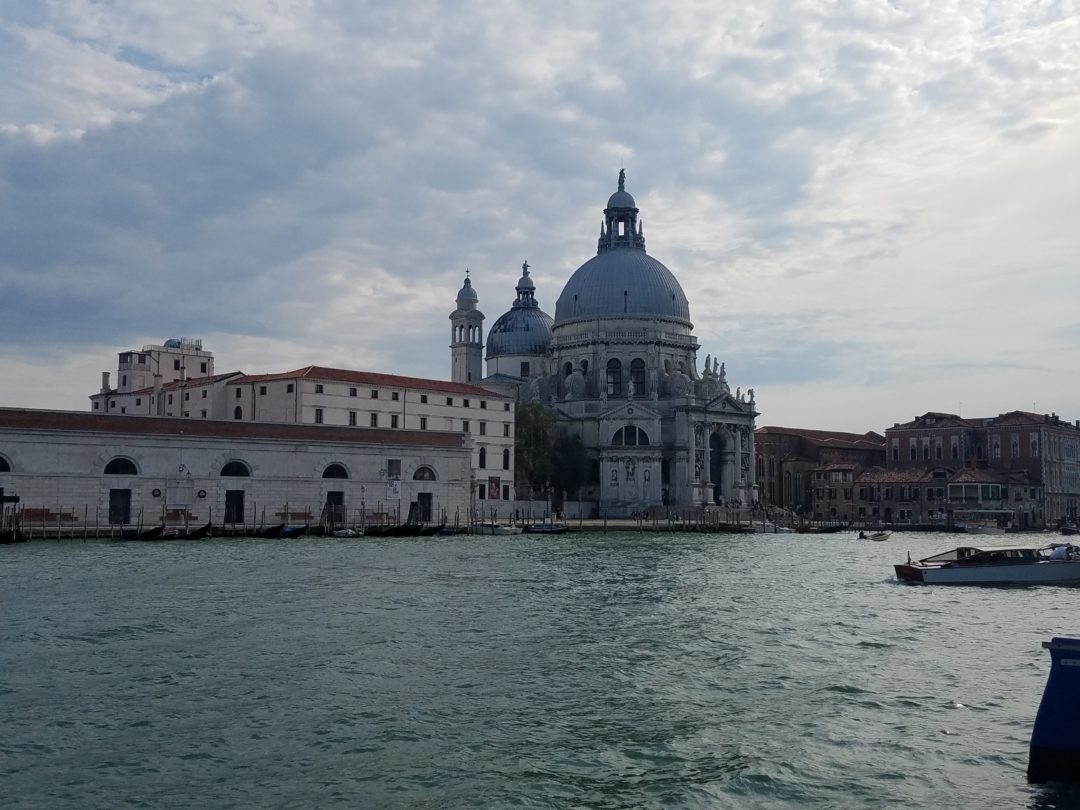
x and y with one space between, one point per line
871 205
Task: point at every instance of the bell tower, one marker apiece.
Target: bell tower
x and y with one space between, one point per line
467 337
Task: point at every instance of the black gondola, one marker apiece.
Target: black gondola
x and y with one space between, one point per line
197 534
272 531
295 531
151 534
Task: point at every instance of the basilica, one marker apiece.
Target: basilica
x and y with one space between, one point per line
618 366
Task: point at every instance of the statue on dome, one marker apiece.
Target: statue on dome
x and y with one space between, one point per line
525 267
622 179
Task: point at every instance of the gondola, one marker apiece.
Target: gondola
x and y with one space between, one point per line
151 534
200 533
431 531
272 531
295 531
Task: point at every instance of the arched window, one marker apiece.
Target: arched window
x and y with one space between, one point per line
236 469
637 376
584 366
483 458
4 466
568 369
506 459
614 378
424 474
630 436
238 412
121 466
335 471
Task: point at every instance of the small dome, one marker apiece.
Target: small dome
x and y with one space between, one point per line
467 293
621 199
172 343
522 330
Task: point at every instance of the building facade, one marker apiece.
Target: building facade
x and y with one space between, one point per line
76 469
317 395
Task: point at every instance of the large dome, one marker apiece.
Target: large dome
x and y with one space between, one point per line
623 281
522 330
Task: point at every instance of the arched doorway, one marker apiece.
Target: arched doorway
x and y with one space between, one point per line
716 467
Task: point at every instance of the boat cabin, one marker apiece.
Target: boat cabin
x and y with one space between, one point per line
986 555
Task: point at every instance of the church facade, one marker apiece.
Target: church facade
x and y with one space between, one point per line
618 366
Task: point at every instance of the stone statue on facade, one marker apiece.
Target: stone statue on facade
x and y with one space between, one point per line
575 385
631 469
750 393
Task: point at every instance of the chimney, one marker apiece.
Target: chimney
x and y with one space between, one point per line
159 403
104 382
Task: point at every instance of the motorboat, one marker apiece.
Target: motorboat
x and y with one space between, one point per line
500 530
770 528
877 537
546 528
1058 564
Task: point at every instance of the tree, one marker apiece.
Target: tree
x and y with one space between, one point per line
533 445
569 466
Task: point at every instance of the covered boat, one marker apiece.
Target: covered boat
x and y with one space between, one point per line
996 565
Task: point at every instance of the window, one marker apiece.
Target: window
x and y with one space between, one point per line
123 380
614 378
393 420
483 404
204 393
374 393
630 436
318 416
352 392
423 423
374 420
170 398
506 460
483 458
424 474
176 365
464 425
121 466
506 430
524 370
138 401
352 418
238 413
203 414
506 406
393 468
236 469
423 398
335 471
395 395
262 390
97 405
202 368
464 403
482 493
937 451
238 394
187 396
289 388
318 388
637 376
449 400
506 492
483 428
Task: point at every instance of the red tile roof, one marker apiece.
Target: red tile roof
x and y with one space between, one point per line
829 438
78 422
372 378
191 382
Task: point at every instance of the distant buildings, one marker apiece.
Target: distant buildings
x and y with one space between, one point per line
812 472
1018 469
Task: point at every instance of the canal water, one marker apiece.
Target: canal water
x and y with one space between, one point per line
597 671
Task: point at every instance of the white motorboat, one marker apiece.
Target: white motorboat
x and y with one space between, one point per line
877 537
770 528
498 529
996 565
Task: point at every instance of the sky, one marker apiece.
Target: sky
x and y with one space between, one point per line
871 206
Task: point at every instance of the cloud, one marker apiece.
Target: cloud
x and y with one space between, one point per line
850 196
